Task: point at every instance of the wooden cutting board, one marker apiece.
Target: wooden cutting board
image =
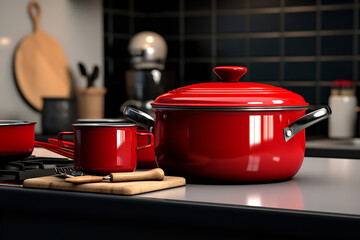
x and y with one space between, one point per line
40 65
119 188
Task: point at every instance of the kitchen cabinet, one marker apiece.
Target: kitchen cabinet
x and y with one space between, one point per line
321 201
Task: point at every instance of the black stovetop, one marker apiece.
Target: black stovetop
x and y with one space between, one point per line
16 171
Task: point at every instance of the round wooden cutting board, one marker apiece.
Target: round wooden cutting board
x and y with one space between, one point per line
40 65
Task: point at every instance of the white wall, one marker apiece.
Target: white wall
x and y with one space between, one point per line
76 24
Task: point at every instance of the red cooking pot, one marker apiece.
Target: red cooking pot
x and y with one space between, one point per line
16 139
230 131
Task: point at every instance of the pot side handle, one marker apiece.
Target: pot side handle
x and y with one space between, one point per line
306 121
139 117
150 135
62 143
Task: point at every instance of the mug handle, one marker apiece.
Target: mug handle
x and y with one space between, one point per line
61 141
149 134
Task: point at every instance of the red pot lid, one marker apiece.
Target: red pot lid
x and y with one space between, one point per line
229 93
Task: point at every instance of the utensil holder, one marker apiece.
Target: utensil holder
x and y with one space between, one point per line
90 102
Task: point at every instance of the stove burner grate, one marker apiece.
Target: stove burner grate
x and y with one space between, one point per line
19 170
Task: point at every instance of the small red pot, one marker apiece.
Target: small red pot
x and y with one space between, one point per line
102 148
16 139
146 157
230 131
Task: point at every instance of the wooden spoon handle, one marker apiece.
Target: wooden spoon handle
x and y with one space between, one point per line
35 15
84 179
154 174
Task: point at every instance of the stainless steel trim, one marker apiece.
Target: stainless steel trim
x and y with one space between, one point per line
104 125
205 108
15 123
103 120
107 178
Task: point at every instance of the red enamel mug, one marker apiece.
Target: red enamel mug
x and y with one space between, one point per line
145 158
103 148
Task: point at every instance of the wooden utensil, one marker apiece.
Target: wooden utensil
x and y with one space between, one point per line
40 65
156 174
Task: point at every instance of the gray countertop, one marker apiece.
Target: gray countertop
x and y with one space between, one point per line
330 185
321 185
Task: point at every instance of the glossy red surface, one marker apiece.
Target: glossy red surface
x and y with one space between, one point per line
229 93
103 150
146 157
17 141
230 73
240 146
215 131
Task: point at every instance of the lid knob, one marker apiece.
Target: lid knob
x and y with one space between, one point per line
230 73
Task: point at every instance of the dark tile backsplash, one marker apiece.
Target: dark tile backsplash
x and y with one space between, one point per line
331 70
231 24
162 25
198 48
264 71
302 21
197 5
335 20
300 2
119 5
301 45
121 24
198 25
116 48
327 2
264 3
300 71
197 72
230 48
231 4
146 6
337 45
264 23
264 47
174 46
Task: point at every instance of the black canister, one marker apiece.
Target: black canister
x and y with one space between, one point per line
58 115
